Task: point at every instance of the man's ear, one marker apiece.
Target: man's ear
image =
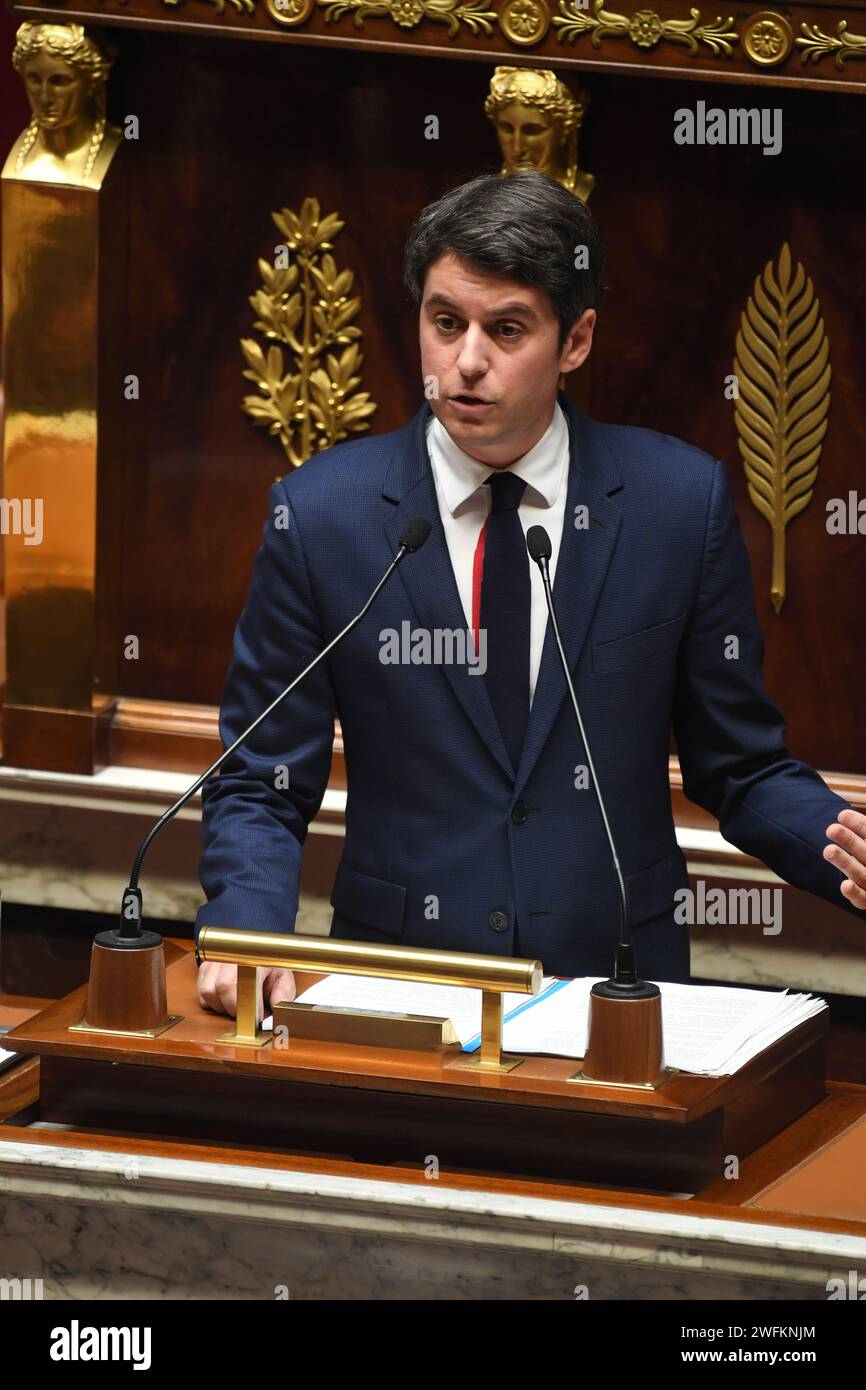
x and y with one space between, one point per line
578 344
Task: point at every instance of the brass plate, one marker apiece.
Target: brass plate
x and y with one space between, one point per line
363 1027
85 1027
580 1080
243 1040
473 1063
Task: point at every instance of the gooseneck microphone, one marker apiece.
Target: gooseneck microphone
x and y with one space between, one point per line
624 982
130 934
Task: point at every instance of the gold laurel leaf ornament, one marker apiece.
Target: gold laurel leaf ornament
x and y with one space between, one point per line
305 305
783 398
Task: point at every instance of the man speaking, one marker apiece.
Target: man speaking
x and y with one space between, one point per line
471 821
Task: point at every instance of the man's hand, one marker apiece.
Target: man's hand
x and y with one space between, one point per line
848 853
218 988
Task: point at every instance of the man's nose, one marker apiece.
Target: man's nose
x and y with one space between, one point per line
472 359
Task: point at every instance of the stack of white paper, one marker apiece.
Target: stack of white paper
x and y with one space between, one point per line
708 1030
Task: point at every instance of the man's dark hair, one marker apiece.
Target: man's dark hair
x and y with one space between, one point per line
522 226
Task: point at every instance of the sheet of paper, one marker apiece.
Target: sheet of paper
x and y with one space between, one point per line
560 1029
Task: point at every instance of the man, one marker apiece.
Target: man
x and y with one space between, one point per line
471 823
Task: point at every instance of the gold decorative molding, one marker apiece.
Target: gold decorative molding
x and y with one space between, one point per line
783 373
817 45
767 39
304 306
645 28
242 6
409 13
524 22
289 12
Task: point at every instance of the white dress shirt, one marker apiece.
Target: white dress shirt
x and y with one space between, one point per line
464 504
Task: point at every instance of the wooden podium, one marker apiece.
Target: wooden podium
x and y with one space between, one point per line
395 1106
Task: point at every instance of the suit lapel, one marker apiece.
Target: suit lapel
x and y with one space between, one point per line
428 578
582 564
581 567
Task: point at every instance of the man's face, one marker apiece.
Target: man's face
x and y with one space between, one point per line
492 346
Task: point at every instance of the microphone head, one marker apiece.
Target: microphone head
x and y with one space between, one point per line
538 544
415 533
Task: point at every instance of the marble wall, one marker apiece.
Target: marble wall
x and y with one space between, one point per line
97 1225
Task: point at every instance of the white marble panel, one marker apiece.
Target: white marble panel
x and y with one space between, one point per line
99 1225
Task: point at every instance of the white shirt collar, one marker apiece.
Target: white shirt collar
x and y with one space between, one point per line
459 476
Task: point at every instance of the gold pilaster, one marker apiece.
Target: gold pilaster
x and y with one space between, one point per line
56 266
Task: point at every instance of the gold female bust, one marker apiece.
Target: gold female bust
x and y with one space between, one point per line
537 119
68 140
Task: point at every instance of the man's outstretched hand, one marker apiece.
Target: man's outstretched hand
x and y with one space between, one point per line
218 988
848 853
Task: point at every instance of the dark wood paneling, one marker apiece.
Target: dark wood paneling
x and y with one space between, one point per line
687 230
75 740
378 1127
230 132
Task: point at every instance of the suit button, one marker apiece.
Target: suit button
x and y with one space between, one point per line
498 921
520 813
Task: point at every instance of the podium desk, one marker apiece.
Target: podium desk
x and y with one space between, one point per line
180 1167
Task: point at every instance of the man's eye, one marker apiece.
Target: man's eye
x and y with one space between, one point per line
507 330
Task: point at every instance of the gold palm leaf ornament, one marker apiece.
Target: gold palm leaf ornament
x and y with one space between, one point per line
783 374
304 305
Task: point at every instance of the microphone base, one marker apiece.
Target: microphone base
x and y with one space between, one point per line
126 990
116 941
628 989
624 1045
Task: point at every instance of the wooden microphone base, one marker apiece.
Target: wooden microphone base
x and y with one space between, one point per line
126 992
624 1043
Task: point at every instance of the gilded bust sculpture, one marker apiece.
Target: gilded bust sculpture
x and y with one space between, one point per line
537 119
68 140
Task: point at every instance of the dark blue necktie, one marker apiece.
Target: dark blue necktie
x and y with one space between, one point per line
505 611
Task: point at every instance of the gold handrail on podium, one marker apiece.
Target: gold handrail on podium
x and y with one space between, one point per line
250 951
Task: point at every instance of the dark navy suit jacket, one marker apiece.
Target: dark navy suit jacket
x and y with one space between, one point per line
447 844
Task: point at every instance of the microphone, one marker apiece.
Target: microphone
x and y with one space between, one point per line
129 934
414 535
624 982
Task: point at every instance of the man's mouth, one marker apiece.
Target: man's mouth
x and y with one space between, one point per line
469 401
